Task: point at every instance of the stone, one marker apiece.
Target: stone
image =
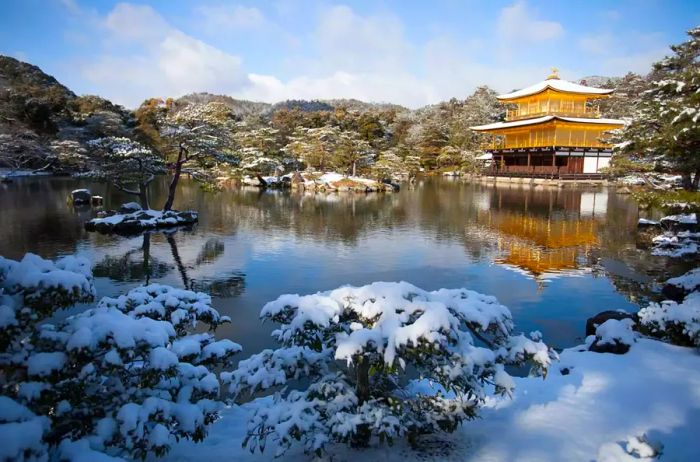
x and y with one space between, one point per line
130 207
80 196
616 348
674 292
593 322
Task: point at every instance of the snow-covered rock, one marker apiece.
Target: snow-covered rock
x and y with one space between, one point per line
676 245
130 207
80 196
677 288
139 221
614 336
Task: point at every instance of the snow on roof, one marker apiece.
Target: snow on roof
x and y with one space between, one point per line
539 120
556 85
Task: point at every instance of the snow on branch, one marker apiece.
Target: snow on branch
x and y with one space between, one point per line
355 346
132 370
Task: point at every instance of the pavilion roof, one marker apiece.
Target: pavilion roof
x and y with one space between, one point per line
543 119
556 85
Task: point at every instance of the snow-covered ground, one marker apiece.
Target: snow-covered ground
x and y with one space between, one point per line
598 411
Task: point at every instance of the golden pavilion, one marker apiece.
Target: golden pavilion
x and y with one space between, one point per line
552 129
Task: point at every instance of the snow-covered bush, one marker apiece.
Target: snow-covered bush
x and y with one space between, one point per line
127 377
351 351
678 323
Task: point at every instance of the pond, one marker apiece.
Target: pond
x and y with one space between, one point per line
553 256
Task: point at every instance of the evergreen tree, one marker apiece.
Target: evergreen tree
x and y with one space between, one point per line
355 349
200 140
665 128
128 377
126 164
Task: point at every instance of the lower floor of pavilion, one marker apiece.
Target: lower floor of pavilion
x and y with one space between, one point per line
550 161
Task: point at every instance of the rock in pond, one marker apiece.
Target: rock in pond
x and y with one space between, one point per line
130 207
80 196
139 221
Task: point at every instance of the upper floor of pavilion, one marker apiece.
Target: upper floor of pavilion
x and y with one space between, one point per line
553 97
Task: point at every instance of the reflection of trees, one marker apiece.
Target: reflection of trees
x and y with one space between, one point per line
536 229
228 284
128 268
211 251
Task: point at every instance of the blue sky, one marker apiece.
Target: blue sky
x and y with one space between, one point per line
406 52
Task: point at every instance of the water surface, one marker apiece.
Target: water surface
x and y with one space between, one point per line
553 256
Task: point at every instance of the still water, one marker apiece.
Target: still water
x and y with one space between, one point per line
553 256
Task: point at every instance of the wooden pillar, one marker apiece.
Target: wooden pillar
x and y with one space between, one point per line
528 159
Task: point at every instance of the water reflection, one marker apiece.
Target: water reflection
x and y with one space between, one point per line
251 246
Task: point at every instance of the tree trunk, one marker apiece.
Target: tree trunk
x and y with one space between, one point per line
363 434
146 247
143 196
354 165
362 377
176 177
696 179
178 261
687 183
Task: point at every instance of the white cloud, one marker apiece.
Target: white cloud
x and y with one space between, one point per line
351 55
139 23
71 6
217 19
599 44
517 23
348 41
163 61
639 62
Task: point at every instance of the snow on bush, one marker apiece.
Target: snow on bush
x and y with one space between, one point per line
350 353
126 377
678 323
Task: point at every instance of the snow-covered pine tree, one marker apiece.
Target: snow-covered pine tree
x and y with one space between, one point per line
665 128
350 354
199 140
127 377
127 164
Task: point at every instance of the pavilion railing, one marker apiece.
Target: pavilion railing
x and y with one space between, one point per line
520 113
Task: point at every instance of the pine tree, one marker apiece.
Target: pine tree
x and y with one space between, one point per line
200 140
665 129
355 348
127 377
124 163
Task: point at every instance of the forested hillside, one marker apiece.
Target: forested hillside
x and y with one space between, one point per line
43 123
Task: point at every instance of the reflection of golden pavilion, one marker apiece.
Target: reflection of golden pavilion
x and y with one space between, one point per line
541 246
